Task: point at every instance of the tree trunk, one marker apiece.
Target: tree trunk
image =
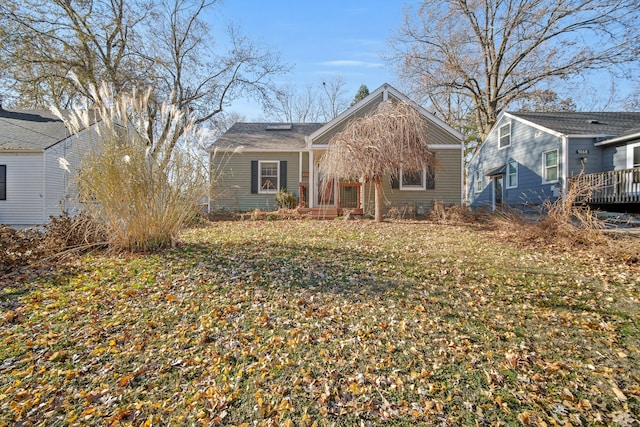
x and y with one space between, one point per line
378 199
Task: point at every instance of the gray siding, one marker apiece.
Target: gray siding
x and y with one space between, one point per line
25 193
527 147
616 157
593 160
231 180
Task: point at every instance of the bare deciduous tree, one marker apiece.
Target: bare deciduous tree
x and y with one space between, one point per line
294 107
492 52
57 52
311 105
391 138
334 101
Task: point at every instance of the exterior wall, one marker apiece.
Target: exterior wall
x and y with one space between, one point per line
25 193
231 180
448 187
616 157
527 147
583 148
60 185
339 127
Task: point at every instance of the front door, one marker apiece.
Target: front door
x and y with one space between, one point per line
326 191
497 192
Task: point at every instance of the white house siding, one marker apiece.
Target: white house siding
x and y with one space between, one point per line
61 187
231 174
25 192
55 179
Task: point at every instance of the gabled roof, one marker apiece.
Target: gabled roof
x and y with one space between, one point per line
265 136
583 123
385 90
31 130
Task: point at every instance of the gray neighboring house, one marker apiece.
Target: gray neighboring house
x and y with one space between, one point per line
252 161
529 157
33 185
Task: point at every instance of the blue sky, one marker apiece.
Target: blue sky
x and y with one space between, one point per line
320 39
323 39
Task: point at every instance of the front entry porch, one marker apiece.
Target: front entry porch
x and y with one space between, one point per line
335 199
619 187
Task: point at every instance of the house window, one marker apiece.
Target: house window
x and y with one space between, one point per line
550 166
479 181
512 174
420 180
269 177
412 180
634 156
3 182
504 135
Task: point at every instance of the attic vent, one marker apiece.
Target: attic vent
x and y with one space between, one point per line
285 126
594 121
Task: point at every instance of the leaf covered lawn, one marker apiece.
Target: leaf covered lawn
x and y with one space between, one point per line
325 323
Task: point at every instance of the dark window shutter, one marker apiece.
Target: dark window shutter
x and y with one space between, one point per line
3 182
254 177
395 180
430 179
283 175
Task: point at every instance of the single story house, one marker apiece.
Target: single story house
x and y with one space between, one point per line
33 185
529 157
251 162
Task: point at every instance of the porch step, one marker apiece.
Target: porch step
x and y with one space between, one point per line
321 213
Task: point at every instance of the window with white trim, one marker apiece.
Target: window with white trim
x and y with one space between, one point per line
504 135
269 176
550 166
634 156
512 174
478 181
412 180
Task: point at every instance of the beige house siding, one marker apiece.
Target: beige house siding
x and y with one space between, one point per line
339 127
231 180
448 187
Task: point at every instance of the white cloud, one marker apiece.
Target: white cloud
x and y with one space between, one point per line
351 63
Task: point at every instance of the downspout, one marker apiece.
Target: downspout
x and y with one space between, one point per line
312 180
565 164
463 181
44 186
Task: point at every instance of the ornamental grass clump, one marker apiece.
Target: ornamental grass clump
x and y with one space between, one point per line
142 176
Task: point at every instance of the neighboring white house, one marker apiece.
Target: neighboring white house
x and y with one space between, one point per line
33 185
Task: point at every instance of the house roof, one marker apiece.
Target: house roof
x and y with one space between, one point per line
33 130
265 136
388 89
584 123
630 135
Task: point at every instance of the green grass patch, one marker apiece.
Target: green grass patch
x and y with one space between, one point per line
333 323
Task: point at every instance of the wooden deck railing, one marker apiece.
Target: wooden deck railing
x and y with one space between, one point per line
611 187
